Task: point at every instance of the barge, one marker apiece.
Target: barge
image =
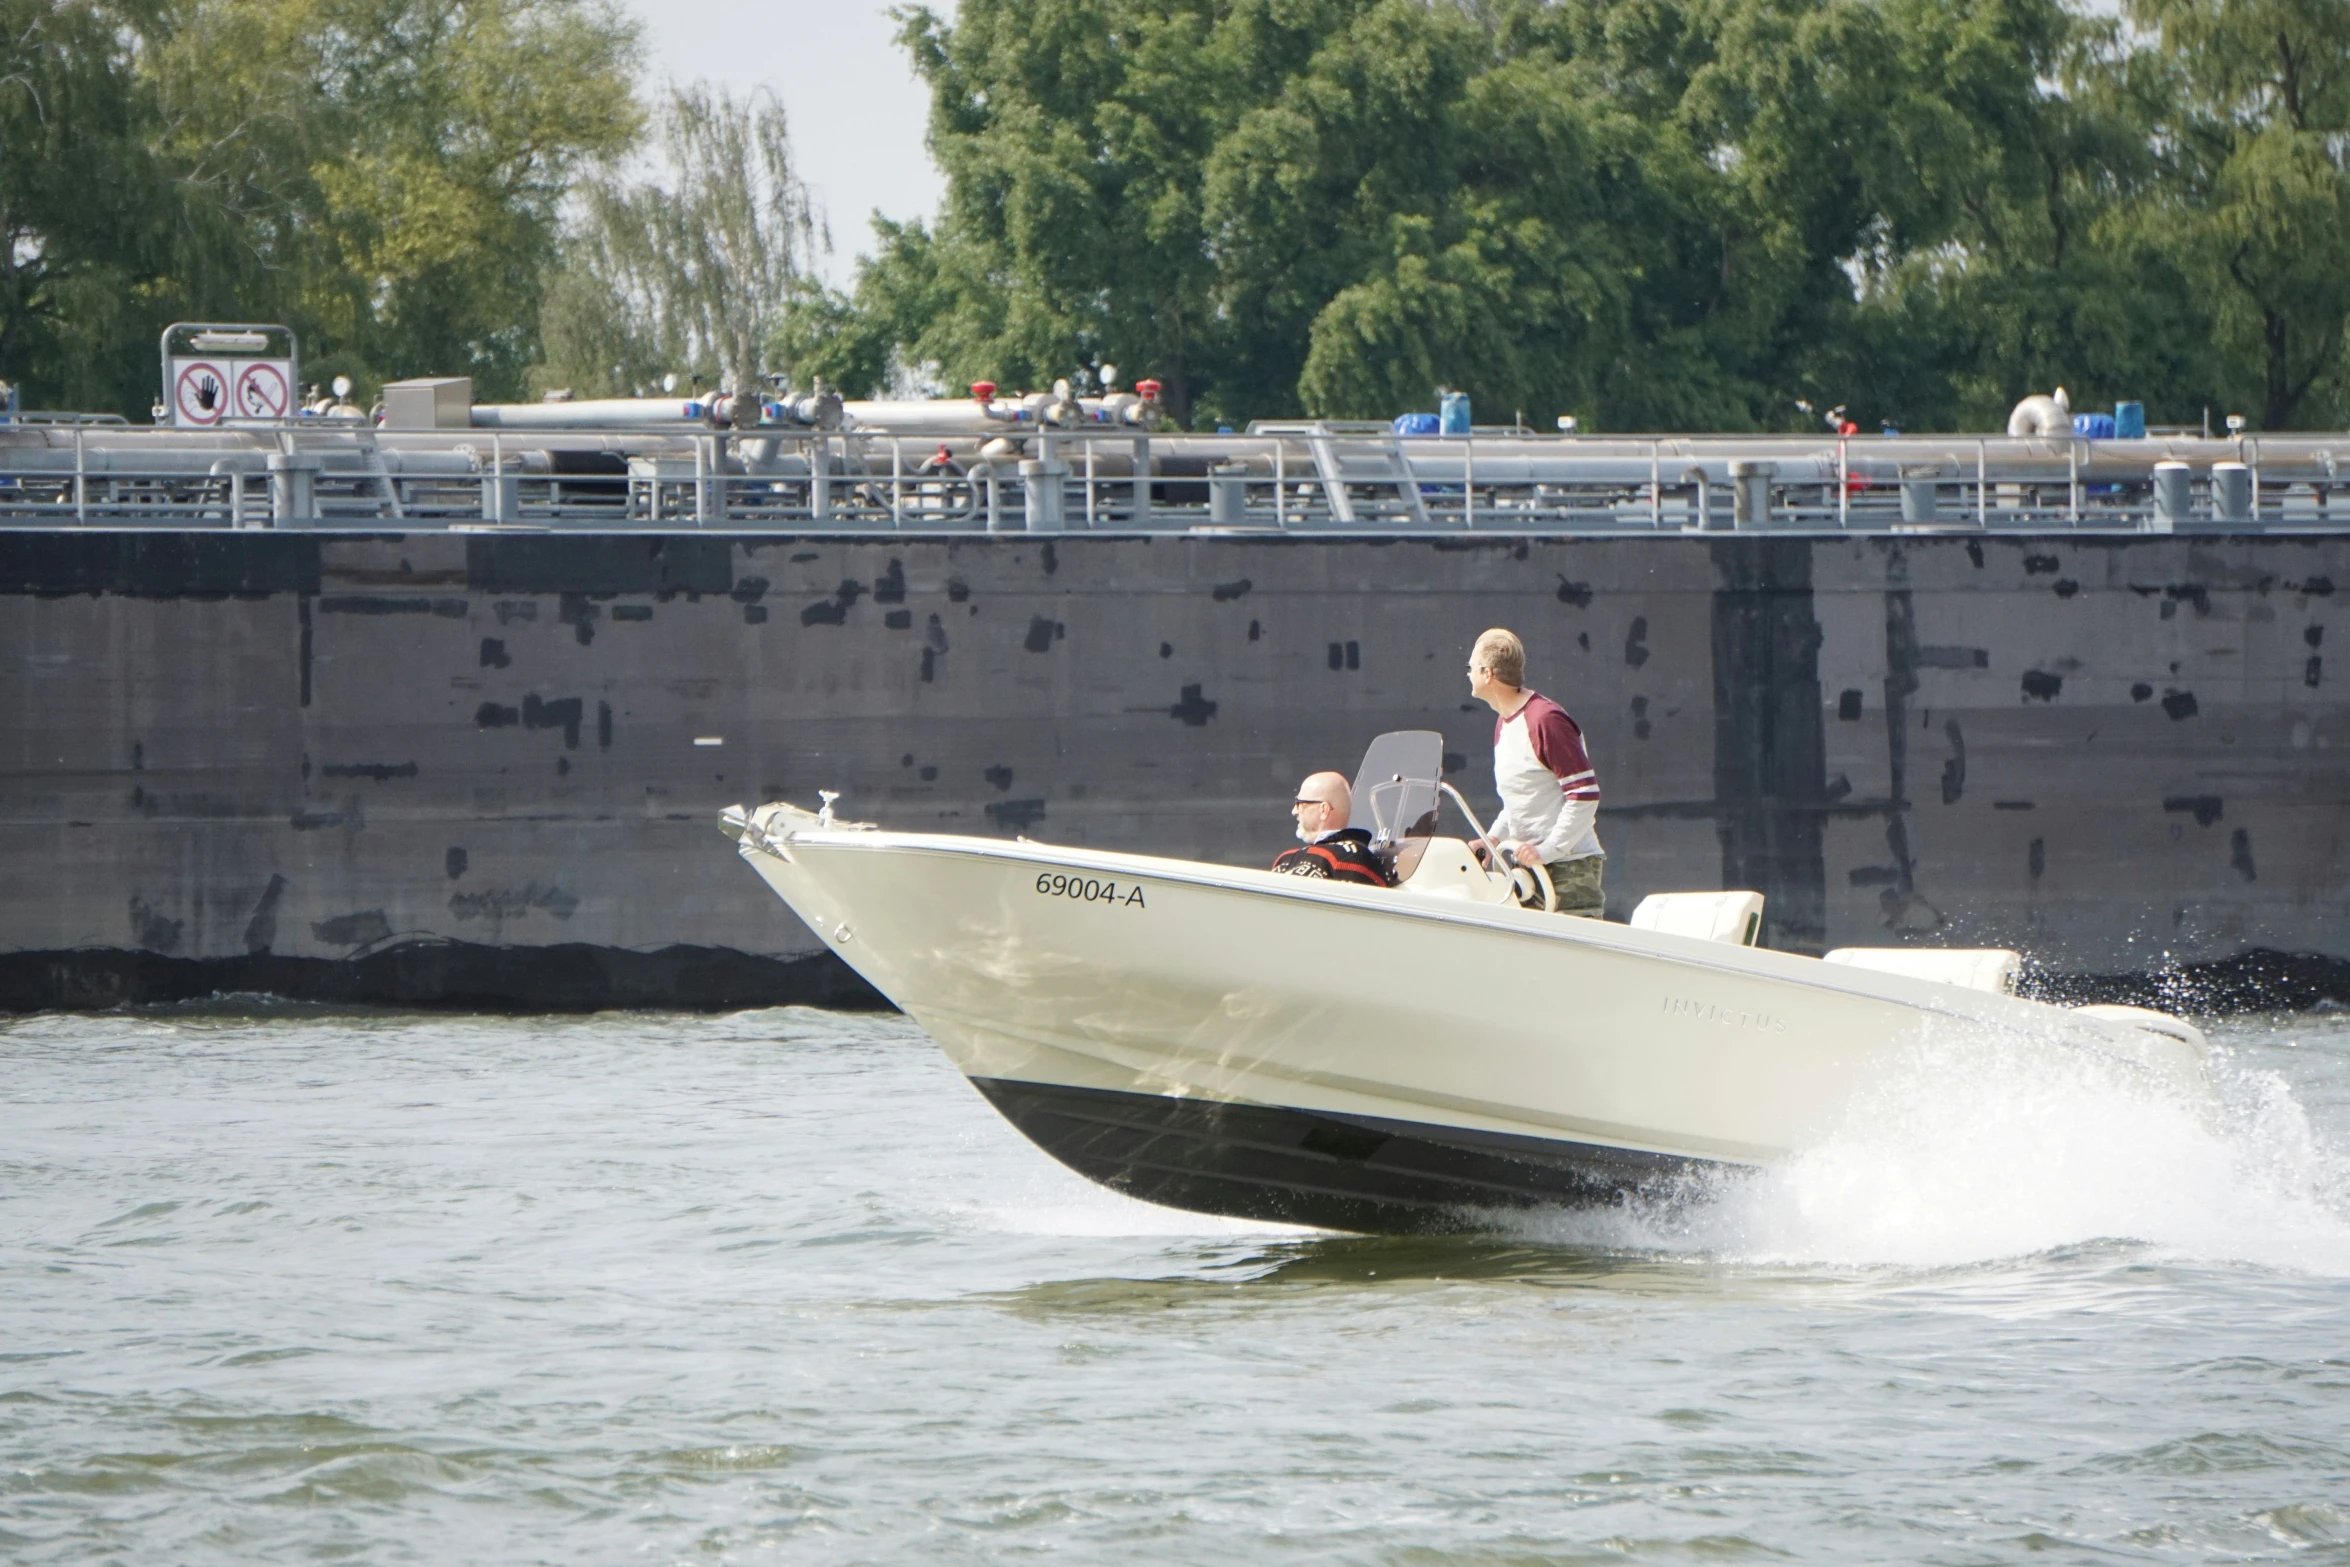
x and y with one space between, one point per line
439 715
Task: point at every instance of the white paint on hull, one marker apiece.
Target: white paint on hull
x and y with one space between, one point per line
1182 979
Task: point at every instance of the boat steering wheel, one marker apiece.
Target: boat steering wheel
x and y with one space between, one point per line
1533 887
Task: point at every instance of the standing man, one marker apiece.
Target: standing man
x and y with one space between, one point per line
1549 792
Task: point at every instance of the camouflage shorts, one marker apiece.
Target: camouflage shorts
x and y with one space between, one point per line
1578 886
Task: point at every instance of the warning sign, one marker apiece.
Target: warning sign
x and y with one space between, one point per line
229 374
264 390
199 393
214 390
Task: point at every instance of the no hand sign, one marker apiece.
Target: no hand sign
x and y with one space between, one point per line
199 392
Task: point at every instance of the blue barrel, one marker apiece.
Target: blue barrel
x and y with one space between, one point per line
2129 421
2096 427
1456 413
1415 424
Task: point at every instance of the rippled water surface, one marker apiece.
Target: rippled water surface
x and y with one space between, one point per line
780 1287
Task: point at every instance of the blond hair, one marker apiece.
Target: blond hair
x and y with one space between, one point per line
1502 655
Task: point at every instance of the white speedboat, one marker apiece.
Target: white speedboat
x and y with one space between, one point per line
1276 1047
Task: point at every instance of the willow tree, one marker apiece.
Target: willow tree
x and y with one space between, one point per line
389 174
2246 108
85 203
686 271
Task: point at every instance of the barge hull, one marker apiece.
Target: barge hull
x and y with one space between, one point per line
306 761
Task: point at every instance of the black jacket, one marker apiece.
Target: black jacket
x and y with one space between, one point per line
1343 856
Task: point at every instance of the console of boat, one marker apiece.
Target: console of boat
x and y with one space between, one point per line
1279 1047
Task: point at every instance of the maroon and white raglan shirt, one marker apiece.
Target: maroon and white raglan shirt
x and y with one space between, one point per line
1549 793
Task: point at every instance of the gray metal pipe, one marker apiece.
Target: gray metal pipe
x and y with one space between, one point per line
641 427
609 413
1348 475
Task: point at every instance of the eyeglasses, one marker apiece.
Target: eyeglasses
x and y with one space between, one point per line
1301 804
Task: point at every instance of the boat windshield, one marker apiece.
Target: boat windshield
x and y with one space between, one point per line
1395 790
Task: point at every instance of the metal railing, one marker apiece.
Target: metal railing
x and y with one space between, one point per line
1275 478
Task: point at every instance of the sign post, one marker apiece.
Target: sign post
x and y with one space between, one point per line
220 373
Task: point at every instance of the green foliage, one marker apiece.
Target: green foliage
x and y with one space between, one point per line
84 202
2246 107
385 175
1696 214
395 168
1711 214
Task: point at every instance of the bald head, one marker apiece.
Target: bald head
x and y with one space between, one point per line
1325 803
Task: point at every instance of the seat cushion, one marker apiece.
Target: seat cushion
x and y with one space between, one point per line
1734 917
1976 968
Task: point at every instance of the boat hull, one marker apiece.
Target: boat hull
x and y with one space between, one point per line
1292 1166
1274 1047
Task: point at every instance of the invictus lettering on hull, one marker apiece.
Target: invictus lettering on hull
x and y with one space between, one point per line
1728 1017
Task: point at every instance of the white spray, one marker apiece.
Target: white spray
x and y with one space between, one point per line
1970 1151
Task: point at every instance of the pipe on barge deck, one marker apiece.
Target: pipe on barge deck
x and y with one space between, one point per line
957 468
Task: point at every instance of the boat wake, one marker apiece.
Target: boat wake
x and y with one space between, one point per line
1984 1152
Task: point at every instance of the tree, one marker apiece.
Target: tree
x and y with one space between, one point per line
1646 212
384 175
388 174
1073 135
84 201
2030 288
689 273
2246 105
1696 214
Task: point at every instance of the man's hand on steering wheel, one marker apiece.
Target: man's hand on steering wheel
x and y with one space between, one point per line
1512 852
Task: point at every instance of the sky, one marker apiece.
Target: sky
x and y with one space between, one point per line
855 108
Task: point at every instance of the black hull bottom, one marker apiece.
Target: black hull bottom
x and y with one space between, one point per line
1308 1167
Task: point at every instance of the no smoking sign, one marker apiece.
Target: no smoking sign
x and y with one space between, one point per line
263 391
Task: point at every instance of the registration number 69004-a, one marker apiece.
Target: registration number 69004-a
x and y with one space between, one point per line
1086 889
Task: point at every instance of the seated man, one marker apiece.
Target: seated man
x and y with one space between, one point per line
1332 849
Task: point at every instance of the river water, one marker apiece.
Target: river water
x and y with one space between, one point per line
779 1287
